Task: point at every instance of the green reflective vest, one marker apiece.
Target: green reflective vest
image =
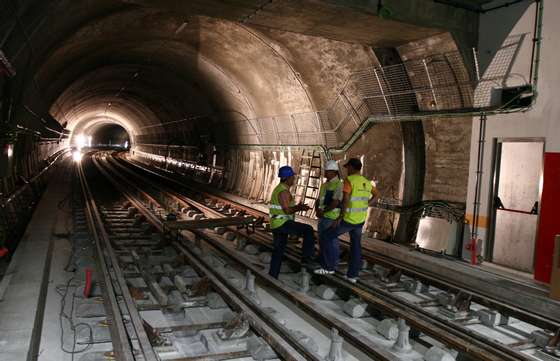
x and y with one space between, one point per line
356 212
277 215
326 193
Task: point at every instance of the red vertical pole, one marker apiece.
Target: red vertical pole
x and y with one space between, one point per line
549 226
87 287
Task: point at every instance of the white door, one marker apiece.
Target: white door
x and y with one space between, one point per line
516 199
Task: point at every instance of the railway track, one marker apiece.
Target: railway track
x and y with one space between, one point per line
142 272
389 266
431 319
430 311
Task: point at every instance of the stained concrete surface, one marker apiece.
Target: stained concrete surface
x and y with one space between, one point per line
21 309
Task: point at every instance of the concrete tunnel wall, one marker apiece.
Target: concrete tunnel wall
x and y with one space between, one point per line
173 78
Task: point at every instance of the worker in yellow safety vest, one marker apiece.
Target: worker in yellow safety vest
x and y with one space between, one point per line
358 192
282 222
328 210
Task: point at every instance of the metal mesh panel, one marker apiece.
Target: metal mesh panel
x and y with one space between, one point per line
496 73
420 87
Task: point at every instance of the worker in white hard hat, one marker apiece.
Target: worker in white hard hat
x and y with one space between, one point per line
328 210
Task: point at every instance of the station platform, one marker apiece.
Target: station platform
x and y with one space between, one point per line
34 272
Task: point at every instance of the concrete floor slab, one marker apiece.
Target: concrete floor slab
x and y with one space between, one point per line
20 327
502 284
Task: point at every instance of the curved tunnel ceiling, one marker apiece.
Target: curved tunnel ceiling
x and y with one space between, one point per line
146 77
154 71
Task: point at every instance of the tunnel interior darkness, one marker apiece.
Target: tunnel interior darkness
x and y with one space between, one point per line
109 134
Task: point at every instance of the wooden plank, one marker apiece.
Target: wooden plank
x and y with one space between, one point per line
191 328
216 357
555 276
208 223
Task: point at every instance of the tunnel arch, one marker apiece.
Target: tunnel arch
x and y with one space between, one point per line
212 69
202 81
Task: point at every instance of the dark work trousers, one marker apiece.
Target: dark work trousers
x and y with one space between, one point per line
355 232
330 251
280 238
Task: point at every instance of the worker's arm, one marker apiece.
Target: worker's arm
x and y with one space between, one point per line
319 212
346 192
345 203
329 207
336 200
285 199
374 194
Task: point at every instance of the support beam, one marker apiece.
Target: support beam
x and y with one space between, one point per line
414 156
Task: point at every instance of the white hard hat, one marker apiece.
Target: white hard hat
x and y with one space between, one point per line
331 165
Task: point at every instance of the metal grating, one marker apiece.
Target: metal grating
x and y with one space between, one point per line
436 84
442 84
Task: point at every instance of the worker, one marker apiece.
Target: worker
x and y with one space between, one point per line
328 210
282 222
358 193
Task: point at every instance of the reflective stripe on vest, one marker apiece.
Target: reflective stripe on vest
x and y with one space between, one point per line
356 212
359 199
357 209
277 215
329 187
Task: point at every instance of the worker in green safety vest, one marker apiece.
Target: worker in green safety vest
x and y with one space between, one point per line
282 222
358 192
328 210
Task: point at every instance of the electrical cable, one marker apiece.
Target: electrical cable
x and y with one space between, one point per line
62 290
434 208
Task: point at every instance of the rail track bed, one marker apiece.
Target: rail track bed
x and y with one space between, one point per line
188 275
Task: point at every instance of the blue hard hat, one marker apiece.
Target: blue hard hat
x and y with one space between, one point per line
285 172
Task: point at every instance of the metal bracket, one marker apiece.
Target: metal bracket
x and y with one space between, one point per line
6 66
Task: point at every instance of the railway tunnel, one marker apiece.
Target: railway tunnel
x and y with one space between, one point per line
142 142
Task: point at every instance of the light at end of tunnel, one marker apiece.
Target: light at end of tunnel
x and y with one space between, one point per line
81 141
9 150
77 156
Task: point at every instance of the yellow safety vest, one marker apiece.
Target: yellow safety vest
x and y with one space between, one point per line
326 192
356 212
277 215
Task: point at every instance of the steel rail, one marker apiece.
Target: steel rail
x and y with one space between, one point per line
443 330
103 243
121 343
356 339
260 321
540 320
379 299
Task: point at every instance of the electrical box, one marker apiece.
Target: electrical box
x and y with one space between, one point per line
6 159
439 235
517 97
